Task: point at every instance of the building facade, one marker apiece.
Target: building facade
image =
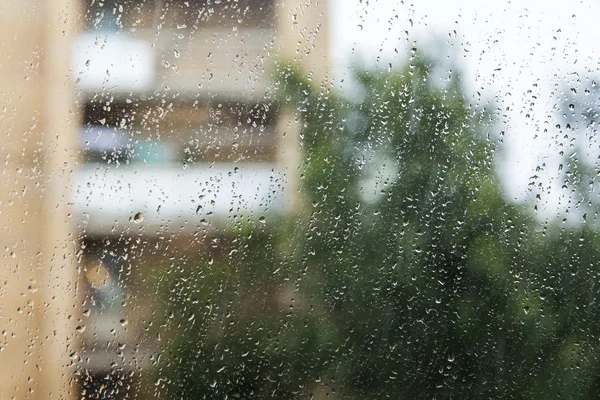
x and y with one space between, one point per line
179 140
132 131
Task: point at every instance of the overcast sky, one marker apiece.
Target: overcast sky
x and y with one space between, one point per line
503 48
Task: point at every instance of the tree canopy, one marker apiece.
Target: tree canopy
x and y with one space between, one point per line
407 275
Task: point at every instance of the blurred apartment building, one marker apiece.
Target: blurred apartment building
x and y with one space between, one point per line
154 133
179 142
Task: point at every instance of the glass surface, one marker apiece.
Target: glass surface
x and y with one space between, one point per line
344 199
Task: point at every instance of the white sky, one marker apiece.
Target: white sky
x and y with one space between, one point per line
532 42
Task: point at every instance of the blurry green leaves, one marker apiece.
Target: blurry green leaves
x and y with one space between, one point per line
409 274
436 262
396 269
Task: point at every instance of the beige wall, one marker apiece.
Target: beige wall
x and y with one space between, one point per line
303 34
37 274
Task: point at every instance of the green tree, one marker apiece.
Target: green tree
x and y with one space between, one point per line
437 286
409 274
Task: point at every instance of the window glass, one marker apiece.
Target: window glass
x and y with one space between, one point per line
346 199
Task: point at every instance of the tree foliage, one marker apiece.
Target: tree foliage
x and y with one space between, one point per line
409 274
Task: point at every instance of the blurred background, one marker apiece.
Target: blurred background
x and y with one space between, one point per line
299 199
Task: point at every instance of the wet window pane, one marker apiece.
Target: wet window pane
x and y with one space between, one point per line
300 199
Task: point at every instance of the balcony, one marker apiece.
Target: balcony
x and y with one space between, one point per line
165 199
210 63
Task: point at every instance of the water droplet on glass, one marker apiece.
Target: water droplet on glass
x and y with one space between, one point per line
139 217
